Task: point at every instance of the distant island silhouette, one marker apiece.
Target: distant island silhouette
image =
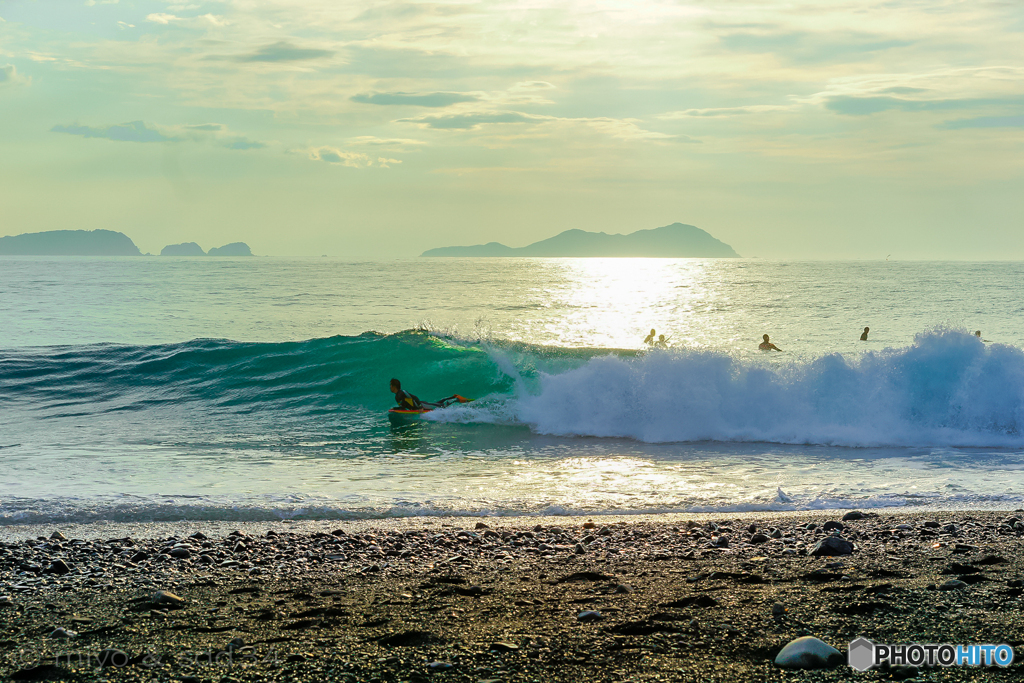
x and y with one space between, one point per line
183 249
233 249
101 243
69 243
193 249
672 241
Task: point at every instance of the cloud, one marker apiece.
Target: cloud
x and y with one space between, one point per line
430 99
865 106
199 21
986 122
618 128
283 51
726 111
337 157
139 131
331 155
136 131
9 76
161 18
385 142
471 121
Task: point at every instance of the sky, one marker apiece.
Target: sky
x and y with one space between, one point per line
788 129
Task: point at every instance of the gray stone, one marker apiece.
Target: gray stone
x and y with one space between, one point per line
809 653
163 597
853 515
952 585
831 546
589 615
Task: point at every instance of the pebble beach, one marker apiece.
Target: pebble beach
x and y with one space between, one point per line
651 598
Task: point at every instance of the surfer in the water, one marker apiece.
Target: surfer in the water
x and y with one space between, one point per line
649 339
767 345
864 334
406 401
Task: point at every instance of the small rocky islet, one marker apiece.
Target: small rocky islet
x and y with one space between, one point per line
490 601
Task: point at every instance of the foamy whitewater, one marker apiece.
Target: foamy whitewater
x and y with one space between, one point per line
250 389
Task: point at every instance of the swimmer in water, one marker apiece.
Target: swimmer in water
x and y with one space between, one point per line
662 342
767 345
649 339
864 334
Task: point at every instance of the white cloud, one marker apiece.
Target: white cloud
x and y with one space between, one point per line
726 111
335 156
161 18
404 144
124 25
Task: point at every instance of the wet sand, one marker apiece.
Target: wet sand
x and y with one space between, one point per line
653 598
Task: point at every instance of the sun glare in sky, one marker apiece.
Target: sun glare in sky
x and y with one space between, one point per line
815 129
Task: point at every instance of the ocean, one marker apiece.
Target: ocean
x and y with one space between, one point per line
251 389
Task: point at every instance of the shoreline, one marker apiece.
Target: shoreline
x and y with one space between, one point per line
110 529
693 597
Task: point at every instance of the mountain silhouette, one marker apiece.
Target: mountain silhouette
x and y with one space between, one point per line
672 241
69 243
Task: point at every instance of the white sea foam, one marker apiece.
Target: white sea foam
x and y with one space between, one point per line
948 388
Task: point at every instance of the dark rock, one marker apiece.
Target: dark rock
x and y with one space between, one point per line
702 600
832 546
853 515
952 585
759 538
832 524
58 567
43 672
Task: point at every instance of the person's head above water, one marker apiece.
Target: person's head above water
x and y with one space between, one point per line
765 337
867 329
652 331
395 385
977 333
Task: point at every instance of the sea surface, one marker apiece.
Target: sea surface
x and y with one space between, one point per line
165 389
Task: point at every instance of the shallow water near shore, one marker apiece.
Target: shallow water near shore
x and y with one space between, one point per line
254 390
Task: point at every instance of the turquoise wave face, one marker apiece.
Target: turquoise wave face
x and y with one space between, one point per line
309 376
